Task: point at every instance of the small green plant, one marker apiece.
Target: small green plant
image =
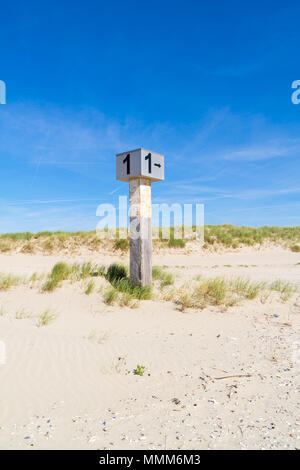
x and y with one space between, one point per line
36 277
117 276
136 291
86 270
48 245
4 247
99 271
209 291
90 288
8 280
121 244
159 274
254 289
295 248
139 370
184 300
59 273
216 291
116 272
285 288
240 285
110 295
28 248
62 271
167 281
50 285
22 314
125 299
45 318
176 243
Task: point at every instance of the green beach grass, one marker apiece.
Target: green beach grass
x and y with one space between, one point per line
228 236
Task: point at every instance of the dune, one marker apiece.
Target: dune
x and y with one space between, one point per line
215 377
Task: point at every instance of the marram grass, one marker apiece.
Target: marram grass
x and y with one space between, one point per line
227 235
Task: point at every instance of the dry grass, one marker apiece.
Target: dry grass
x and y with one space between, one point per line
198 294
63 271
121 244
5 247
118 277
229 236
45 318
110 296
295 248
9 280
166 279
121 287
234 237
90 288
285 288
23 314
225 293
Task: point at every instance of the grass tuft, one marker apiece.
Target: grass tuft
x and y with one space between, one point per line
136 291
116 272
45 318
121 244
62 271
295 248
22 314
159 274
5 247
176 243
90 288
110 295
8 280
221 292
229 236
117 276
139 370
285 288
59 273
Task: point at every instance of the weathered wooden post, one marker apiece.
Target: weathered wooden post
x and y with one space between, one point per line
140 167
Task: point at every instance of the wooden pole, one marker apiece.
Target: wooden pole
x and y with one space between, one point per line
140 231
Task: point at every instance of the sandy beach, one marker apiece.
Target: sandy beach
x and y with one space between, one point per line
214 378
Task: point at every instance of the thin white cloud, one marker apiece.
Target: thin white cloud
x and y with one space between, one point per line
49 201
202 159
267 150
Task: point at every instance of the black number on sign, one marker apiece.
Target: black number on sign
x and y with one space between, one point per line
148 157
127 160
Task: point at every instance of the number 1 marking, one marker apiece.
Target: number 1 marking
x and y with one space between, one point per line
127 160
148 157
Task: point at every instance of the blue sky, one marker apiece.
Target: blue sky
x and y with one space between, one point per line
208 84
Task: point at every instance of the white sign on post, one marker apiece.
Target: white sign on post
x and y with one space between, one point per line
140 163
140 167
